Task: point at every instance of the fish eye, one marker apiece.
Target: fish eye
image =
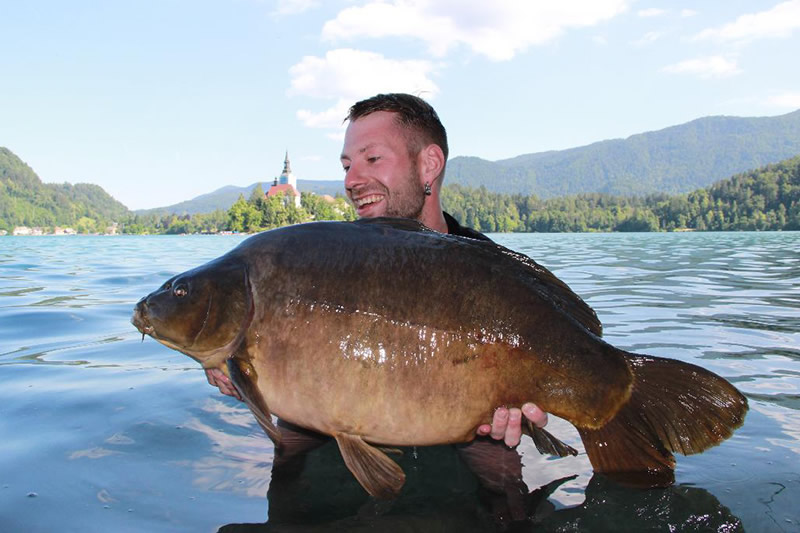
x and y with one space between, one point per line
180 291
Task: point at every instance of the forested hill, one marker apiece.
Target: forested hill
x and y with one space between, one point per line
674 160
26 201
764 199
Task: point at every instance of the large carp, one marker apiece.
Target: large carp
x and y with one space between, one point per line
383 332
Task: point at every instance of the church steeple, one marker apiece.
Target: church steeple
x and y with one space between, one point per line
287 167
287 178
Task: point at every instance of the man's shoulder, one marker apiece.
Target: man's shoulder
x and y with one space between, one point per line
454 228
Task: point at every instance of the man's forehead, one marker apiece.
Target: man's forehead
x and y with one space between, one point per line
369 145
371 131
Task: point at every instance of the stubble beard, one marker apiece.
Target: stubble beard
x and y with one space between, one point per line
408 201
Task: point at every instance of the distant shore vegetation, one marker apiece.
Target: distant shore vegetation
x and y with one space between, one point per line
767 199
257 213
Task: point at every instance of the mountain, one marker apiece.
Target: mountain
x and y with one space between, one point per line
225 197
673 160
26 201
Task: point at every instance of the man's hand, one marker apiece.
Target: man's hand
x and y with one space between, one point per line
507 423
217 377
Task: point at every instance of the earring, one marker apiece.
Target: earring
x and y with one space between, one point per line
428 190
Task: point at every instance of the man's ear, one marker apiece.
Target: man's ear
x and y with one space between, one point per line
431 163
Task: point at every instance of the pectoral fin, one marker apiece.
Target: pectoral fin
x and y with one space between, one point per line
547 443
244 377
379 475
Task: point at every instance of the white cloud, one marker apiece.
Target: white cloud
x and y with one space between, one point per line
686 13
347 75
787 100
652 12
780 21
705 67
498 29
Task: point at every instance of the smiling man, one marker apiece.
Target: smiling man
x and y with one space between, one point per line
394 157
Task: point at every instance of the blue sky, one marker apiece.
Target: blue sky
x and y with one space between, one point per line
159 101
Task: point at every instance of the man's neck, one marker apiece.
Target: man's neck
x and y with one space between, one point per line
434 221
432 215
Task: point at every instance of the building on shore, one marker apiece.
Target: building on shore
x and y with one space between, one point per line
285 184
25 231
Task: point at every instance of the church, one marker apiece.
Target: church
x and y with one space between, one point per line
285 184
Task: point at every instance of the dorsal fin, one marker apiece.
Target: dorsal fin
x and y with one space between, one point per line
554 289
561 295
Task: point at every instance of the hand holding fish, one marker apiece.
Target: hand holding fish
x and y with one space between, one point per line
217 378
507 423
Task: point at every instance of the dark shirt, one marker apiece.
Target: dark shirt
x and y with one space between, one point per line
454 228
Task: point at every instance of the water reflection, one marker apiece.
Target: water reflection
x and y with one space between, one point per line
315 492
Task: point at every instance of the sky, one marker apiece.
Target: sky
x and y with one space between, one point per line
159 101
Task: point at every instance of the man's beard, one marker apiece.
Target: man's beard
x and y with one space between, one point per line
408 201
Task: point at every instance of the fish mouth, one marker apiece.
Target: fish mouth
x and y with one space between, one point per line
140 321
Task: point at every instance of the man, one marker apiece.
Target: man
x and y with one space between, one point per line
394 157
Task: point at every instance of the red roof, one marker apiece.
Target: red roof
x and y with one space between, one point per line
283 188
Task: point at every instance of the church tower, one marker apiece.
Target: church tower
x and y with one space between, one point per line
287 178
285 184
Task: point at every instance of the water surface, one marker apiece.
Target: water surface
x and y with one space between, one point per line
101 431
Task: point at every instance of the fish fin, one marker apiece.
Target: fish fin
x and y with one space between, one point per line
550 287
674 407
243 375
380 476
545 442
392 451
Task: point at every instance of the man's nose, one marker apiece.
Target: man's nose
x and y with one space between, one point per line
353 177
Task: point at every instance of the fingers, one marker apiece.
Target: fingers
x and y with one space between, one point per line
499 423
217 378
535 414
507 423
513 432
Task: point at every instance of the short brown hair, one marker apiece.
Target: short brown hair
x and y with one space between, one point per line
413 113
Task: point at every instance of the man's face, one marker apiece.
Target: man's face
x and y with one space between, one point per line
381 178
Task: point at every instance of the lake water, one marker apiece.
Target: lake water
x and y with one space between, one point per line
100 431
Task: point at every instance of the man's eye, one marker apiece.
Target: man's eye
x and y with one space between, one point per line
373 159
346 168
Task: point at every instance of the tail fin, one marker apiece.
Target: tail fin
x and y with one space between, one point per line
674 407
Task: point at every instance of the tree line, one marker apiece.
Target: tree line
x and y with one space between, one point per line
257 213
763 199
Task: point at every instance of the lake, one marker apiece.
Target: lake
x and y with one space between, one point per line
102 431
